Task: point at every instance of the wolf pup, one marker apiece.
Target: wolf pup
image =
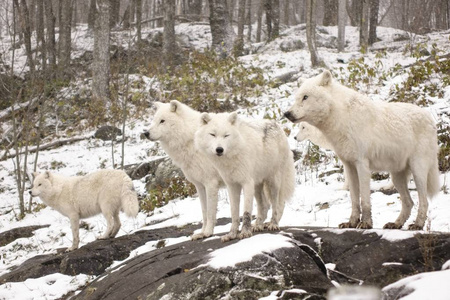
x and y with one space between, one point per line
78 197
253 156
400 138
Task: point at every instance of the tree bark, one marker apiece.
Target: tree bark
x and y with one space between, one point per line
342 16
169 41
259 22
286 11
91 14
249 20
139 20
65 38
101 62
221 30
364 28
275 19
50 20
40 34
311 32
354 11
239 46
115 13
330 17
373 21
24 17
268 11
195 10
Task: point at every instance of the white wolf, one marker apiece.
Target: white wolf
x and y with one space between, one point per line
174 126
78 197
252 156
367 135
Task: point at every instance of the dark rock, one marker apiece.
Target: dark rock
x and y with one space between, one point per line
107 133
165 170
177 271
17 233
291 45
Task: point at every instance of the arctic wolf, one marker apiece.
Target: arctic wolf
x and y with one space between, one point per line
78 197
174 126
367 135
252 156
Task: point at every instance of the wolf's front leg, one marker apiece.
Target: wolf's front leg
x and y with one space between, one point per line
352 177
203 202
249 193
75 226
234 192
363 170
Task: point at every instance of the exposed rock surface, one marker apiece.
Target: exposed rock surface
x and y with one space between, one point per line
17 233
181 271
107 133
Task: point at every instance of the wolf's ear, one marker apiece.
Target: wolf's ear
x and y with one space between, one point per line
301 80
233 117
175 105
157 104
326 78
205 117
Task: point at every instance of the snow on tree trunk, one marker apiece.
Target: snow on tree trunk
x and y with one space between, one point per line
221 30
101 64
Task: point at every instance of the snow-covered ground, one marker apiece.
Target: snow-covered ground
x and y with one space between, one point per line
318 201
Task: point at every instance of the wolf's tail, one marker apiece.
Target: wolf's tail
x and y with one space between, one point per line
130 203
287 187
433 183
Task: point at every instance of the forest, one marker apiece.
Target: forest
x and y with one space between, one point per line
70 67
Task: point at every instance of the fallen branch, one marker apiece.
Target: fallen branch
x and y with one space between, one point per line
50 145
6 113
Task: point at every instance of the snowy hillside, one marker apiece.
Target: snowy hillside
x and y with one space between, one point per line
318 200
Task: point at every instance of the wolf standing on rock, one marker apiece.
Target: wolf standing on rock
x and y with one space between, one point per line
174 126
79 197
253 156
367 135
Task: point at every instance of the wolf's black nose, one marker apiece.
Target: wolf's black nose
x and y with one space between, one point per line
287 115
147 134
29 192
219 151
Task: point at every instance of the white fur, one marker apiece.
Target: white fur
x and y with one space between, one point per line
379 136
174 126
79 197
253 156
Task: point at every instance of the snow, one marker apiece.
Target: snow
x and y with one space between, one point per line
318 201
245 249
421 286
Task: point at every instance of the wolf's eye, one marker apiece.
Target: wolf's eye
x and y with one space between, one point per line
226 135
212 134
39 184
305 97
162 121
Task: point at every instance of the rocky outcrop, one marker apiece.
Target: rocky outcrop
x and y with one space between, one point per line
296 270
17 233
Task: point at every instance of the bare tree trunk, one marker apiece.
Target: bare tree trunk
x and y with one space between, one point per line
342 16
286 12
169 41
239 44
311 32
195 10
330 17
51 43
374 9
65 39
364 28
40 33
101 63
354 11
249 20
115 13
139 20
268 10
275 19
26 29
221 30
259 23
91 14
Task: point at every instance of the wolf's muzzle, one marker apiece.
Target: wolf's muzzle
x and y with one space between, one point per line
219 151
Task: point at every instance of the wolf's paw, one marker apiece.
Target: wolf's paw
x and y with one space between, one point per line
364 225
414 227
245 234
257 227
272 227
392 225
349 224
199 236
70 249
228 237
